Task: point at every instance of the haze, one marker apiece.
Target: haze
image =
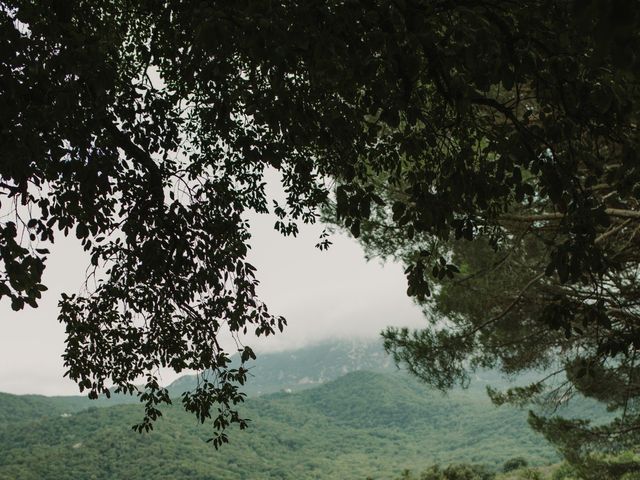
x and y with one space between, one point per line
323 295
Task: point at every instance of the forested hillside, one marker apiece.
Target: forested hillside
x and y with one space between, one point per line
363 424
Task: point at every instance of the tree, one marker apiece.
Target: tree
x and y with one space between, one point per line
514 464
145 129
451 472
538 167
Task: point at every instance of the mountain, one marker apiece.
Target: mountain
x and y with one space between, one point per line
306 367
314 365
361 424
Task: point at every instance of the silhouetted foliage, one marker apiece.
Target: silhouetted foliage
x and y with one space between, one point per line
515 209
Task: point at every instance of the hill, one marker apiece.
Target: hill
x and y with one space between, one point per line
17 408
362 424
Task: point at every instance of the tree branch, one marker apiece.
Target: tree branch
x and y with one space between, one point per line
542 217
142 158
509 307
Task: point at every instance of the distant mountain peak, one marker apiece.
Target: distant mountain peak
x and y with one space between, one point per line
307 366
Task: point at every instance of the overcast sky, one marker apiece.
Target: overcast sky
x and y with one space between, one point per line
323 295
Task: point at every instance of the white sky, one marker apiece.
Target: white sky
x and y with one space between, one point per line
323 295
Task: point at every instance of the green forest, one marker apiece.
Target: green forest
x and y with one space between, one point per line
361 425
365 424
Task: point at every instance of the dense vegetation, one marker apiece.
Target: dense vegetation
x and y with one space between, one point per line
363 424
16 409
563 471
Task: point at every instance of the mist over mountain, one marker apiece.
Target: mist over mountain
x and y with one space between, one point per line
325 361
306 367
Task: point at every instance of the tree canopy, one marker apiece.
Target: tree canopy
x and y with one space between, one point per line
145 129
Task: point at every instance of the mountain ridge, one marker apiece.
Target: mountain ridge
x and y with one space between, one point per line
306 367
